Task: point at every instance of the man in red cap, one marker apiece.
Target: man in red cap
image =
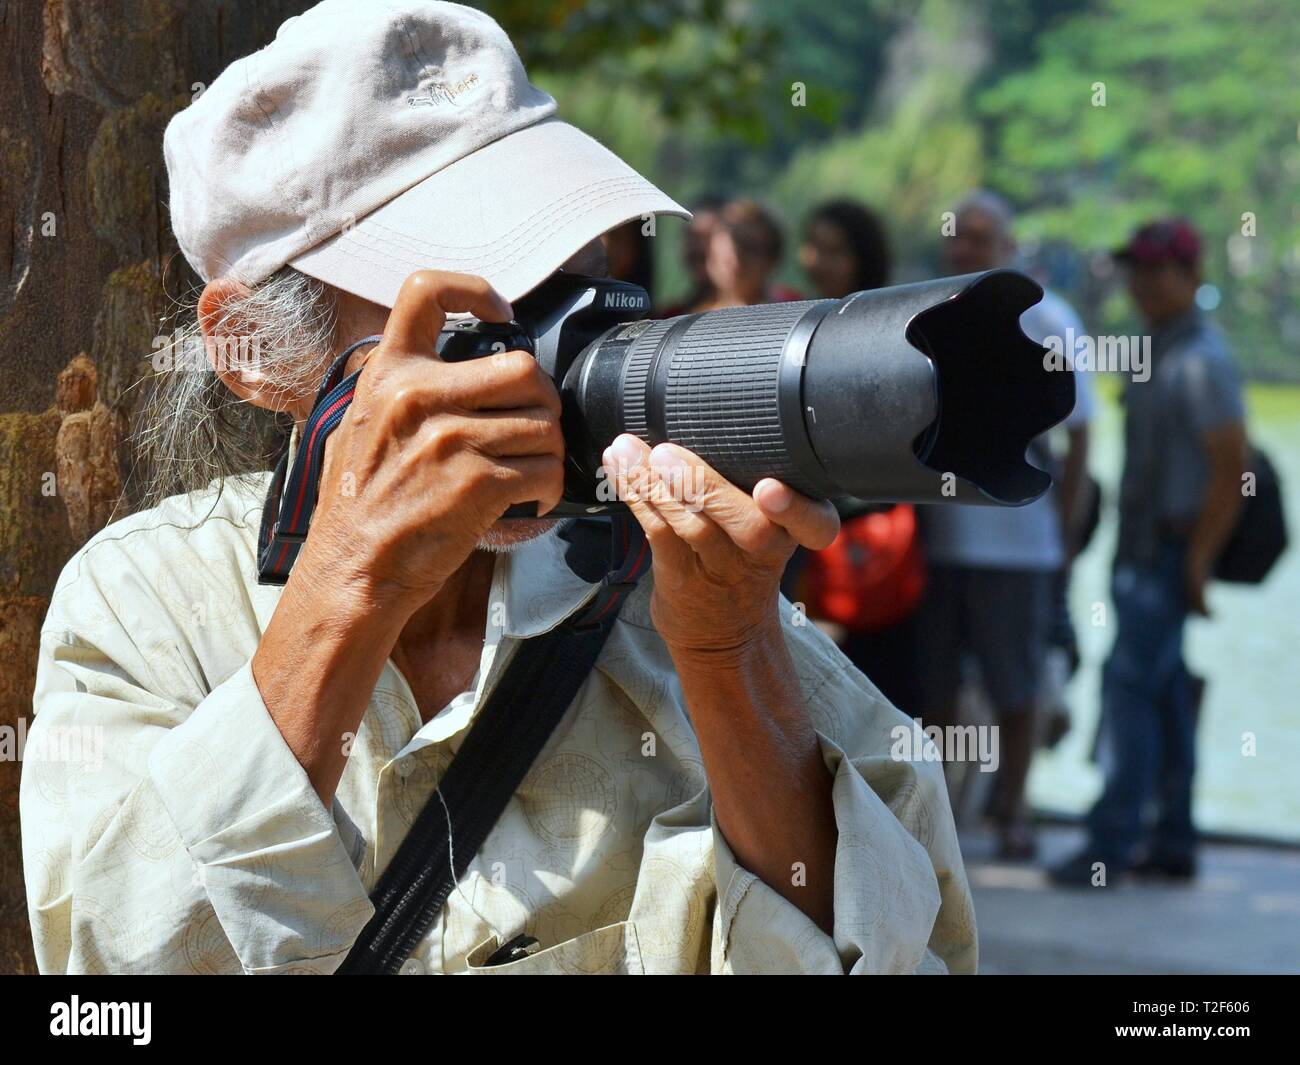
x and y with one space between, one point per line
1180 496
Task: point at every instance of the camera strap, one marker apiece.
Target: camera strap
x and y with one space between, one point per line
523 710
291 498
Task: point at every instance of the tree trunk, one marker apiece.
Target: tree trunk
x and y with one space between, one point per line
88 265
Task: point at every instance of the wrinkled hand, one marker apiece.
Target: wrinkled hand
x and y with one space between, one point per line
430 453
719 552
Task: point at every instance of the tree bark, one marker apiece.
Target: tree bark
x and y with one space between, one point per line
88 266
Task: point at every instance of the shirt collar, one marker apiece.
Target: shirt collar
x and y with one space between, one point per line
1174 330
533 588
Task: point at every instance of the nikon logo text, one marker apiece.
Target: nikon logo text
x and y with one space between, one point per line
624 301
102 1018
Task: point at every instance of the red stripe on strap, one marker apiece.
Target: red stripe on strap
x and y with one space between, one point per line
343 400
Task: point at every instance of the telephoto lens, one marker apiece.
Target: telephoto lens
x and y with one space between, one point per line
927 392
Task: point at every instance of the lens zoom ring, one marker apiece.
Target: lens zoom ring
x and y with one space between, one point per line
721 393
640 356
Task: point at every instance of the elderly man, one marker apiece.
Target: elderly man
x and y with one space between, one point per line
719 796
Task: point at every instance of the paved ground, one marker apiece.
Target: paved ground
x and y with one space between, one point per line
1241 915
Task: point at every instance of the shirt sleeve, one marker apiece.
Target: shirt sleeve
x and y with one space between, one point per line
901 901
274 861
175 839
1085 401
1211 392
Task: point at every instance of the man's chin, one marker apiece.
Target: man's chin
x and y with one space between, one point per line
504 536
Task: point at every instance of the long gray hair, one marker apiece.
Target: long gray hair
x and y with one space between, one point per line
193 430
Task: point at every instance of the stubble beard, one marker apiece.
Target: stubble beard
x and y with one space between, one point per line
503 537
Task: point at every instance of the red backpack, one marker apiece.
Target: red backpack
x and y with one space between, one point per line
872 575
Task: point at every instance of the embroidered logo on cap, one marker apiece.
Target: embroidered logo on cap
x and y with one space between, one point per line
437 93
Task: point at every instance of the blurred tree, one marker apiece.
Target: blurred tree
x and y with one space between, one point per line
88 88
919 147
690 56
1187 106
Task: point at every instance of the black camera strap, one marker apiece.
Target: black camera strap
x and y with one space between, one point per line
525 706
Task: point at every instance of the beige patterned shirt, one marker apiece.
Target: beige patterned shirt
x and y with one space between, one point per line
167 827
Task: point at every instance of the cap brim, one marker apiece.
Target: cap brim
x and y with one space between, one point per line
511 212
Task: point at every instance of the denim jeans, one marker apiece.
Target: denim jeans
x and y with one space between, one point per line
1148 748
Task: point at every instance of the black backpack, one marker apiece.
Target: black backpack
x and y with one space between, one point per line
1260 535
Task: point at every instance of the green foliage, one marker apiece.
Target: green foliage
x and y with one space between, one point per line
1199 118
689 56
918 149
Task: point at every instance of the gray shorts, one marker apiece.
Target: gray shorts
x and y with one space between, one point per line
1001 617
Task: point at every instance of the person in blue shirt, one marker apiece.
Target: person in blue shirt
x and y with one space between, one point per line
1180 497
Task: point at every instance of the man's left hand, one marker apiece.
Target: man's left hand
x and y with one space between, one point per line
719 552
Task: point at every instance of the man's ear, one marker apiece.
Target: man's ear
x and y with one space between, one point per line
232 354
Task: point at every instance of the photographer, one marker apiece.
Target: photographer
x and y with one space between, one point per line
719 797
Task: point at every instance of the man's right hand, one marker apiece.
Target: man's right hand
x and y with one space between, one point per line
427 457
431 453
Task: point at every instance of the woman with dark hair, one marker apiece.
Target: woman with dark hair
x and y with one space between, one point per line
845 249
865 587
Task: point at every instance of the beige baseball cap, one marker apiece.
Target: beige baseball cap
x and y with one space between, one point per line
370 140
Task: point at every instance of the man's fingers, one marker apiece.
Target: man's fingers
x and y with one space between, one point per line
696 489
527 431
813 523
700 505
504 381
507 381
425 300
529 477
625 468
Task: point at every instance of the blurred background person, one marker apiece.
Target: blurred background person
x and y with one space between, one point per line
695 254
845 249
745 249
1180 496
865 587
992 570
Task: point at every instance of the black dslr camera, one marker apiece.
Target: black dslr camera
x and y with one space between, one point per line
923 393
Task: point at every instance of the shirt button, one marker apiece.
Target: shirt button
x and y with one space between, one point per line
411 967
405 766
